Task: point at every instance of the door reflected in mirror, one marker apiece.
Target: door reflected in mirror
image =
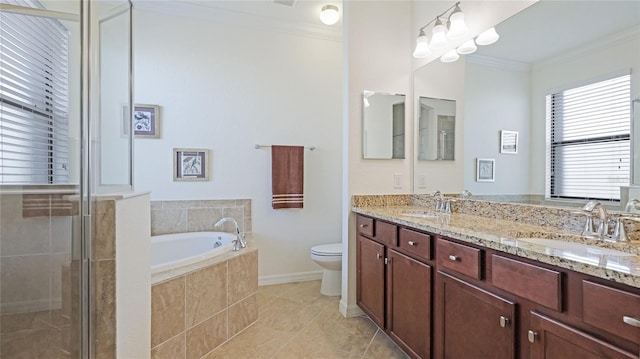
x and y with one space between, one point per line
436 129
383 133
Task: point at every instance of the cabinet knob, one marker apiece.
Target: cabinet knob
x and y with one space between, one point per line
412 243
532 336
364 225
631 321
453 258
378 255
504 321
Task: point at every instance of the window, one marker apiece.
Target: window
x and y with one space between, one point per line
588 139
33 99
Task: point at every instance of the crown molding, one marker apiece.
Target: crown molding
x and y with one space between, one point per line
236 18
498 63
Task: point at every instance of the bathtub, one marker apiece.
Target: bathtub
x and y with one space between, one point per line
169 251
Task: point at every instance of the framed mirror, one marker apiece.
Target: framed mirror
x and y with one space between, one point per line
436 129
383 125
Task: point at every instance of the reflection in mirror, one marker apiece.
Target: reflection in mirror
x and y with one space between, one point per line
506 85
383 130
436 129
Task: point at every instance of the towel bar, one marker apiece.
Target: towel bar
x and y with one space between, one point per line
311 148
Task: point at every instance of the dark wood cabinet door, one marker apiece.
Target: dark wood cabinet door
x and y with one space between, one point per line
550 339
409 304
474 323
370 279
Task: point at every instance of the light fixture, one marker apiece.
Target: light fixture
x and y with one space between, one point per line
487 37
329 14
457 27
468 47
439 39
450 56
422 46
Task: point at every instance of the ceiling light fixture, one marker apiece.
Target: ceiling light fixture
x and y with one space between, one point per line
422 46
329 14
487 37
468 47
450 56
457 27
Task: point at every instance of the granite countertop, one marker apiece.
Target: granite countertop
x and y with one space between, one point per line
502 235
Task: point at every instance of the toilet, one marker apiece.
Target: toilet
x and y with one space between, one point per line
329 257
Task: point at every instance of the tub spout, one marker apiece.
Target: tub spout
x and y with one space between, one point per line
241 241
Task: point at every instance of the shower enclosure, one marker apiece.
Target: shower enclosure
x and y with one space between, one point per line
65 137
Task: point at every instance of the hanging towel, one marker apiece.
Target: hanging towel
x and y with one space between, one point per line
287 176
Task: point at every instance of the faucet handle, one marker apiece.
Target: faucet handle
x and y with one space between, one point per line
589 228
619 233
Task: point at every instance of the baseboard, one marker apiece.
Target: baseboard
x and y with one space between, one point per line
350 310
289 278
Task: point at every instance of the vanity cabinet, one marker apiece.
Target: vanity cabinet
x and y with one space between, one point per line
474 323
549 339
394 283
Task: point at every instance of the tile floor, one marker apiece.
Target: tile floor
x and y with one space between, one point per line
296 321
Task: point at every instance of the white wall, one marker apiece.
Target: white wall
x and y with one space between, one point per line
620 53
377 47
496 98
226 88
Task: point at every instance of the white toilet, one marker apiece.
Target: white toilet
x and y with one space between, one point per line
329 257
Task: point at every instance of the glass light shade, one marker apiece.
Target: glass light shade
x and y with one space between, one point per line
457 27
329 14
488 37
468 47
422 46
439 39
450 56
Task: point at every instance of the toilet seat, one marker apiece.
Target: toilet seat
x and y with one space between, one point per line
327 250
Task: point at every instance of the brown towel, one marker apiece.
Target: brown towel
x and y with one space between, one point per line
287 176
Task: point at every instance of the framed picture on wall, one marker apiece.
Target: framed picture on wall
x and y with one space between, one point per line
485 169
509 142
190 164
146 121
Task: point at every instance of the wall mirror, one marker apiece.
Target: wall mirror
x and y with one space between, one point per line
505 85
436 129
383 125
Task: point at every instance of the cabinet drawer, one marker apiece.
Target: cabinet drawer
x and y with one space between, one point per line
460 258
613 310
364 225
386 233
540 285
415 243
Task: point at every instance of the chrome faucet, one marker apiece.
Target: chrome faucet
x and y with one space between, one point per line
632 204
439 200
603 227
240 241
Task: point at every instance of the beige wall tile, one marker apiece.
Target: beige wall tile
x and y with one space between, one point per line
24 236
203 219
243 276
24 279
165 221
219 203
153 205
167 310
206 293
104 308
104 230
243 314
235 213
206 336
246 207
180 204
173 348
61 234
33 343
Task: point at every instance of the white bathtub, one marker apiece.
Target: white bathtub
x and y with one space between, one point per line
169 251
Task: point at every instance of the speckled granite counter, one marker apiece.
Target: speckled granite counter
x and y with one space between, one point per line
502 235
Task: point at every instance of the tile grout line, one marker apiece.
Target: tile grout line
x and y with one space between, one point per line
370 342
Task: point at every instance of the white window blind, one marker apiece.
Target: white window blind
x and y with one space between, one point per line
588 138
33 98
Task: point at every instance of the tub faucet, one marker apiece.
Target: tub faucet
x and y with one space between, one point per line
603 227
241 237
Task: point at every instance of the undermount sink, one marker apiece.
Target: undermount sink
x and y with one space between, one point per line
578 248
419 214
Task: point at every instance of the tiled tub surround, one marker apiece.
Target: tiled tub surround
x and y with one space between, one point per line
497 225
199 215
196 308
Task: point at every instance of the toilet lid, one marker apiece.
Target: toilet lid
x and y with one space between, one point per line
327 249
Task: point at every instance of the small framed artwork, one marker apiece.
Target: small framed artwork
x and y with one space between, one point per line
146 121
485 169
509 142
190 164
